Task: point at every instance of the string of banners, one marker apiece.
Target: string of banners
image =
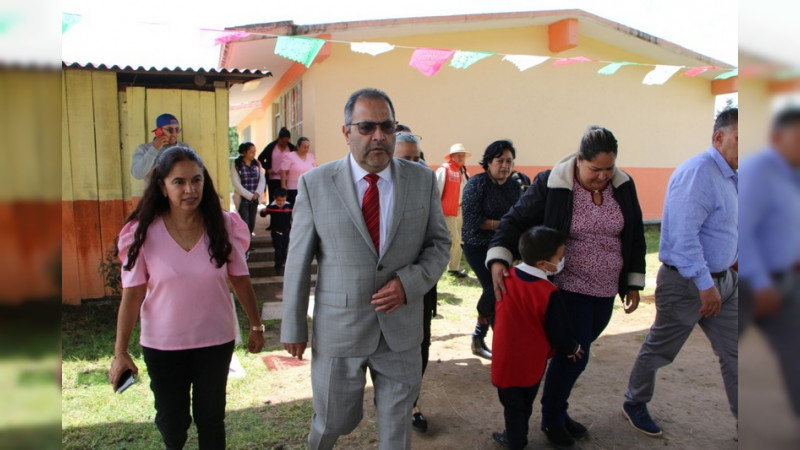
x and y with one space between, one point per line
429 61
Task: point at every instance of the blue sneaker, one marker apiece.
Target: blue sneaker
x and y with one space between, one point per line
640 419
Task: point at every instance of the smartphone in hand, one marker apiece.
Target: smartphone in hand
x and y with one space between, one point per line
159 132
125 381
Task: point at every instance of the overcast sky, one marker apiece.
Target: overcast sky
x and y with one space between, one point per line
158 33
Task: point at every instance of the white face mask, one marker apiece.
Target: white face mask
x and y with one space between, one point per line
559 268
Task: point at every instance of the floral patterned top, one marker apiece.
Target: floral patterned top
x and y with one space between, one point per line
593 257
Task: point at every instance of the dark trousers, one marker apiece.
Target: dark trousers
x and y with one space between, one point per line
476 258
272 186
247 211
291 194
517 408
589 316
204 373
781 330
280 240
428 311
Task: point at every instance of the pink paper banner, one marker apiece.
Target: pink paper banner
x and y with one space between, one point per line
569 61
429 60
695 71
229 36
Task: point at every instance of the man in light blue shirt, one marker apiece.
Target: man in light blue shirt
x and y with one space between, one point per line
770 245
697 283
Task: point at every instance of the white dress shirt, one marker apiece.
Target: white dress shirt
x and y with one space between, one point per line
385 191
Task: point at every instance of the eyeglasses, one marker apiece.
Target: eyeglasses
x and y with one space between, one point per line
367 128
174 130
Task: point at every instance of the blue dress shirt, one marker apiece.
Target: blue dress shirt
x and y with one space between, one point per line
699 228
770 219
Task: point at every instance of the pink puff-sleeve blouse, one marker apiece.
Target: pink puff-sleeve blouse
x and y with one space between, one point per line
188 303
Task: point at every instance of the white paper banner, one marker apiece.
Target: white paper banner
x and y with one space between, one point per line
525 62
660 74
371 48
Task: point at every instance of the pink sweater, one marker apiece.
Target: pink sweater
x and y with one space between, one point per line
188 303
296 167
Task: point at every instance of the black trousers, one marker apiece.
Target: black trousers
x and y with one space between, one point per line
175 374
272 186
247 211
291 195
280 241
589 316
428 311
517 408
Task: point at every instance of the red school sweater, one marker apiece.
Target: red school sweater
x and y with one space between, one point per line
531 324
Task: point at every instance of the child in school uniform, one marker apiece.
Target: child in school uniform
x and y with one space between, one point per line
531 325
280 223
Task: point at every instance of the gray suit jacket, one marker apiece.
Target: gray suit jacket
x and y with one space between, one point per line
328 224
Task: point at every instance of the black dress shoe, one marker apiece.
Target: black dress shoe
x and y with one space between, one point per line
419 422
501 439
457 273
480 349
576 429
559 437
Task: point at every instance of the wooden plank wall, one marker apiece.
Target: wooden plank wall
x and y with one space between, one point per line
101 127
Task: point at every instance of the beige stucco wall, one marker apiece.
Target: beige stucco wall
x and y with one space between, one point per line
755 102
544 110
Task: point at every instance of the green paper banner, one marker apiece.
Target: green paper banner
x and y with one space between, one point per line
726 75
300 49
462 60
68 21
612 68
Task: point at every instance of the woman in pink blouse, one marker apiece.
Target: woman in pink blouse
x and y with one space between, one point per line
295 164
179 249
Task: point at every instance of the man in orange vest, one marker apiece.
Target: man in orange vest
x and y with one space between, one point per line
452 177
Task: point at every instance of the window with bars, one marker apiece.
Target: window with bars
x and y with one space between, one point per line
290 112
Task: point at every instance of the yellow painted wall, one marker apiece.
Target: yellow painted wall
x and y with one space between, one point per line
755 103
544 110
203 116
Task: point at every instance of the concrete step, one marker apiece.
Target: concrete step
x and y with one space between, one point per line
268 288
261 241
261 254
261 269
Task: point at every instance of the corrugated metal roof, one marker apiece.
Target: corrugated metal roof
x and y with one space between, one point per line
246 73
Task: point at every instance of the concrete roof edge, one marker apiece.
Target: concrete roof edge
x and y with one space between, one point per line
290 28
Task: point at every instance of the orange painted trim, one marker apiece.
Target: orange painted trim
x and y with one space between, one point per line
89 230
70 282
729 86
784 86
30 242
651 185
563 35
89 247
112 217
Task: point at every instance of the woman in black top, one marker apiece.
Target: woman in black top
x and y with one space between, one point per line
486 198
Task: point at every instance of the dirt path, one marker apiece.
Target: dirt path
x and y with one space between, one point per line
462 407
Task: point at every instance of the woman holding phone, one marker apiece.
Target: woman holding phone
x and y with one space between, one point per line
179 249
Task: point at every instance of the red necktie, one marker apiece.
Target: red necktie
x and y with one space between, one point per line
371 208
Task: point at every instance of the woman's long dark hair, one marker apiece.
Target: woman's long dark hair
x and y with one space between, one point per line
154 203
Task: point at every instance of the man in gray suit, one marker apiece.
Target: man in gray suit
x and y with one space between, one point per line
375 262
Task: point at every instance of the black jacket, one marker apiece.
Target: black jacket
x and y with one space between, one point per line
549 202
265 157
